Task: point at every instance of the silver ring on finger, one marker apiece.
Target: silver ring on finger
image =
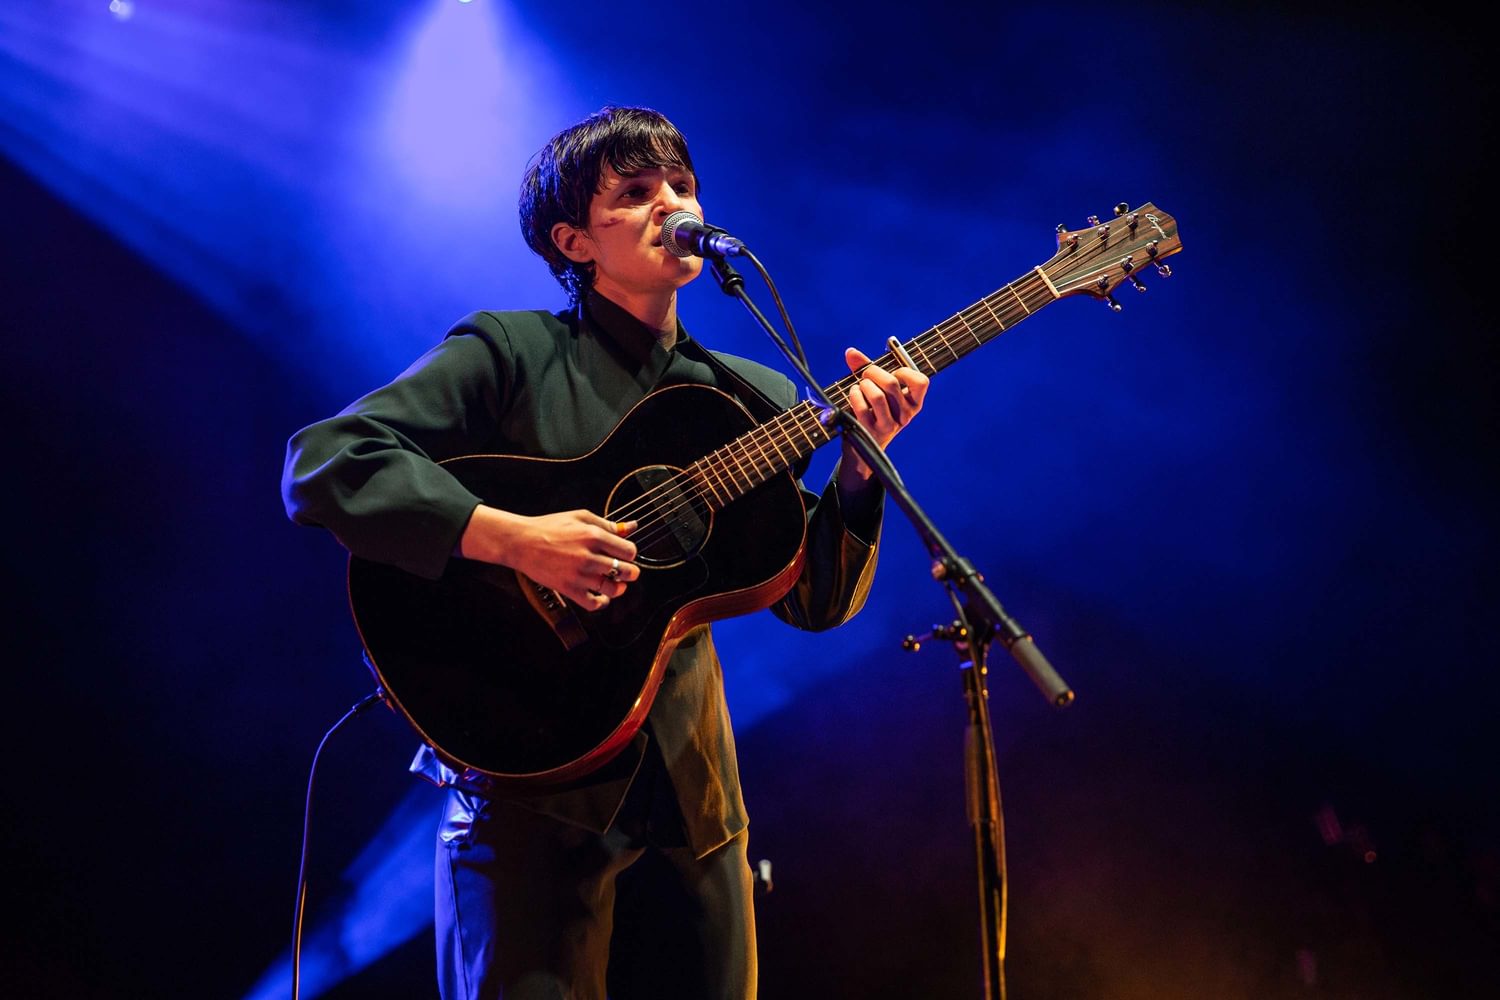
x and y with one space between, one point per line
614 569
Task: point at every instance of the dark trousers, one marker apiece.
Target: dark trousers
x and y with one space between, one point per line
532 908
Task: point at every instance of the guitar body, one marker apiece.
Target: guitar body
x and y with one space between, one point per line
502 676
506 678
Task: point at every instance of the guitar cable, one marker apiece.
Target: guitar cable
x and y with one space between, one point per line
364 704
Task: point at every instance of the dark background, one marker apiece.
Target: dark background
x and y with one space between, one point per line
1250 518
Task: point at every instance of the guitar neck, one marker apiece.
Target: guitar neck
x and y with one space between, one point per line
777 445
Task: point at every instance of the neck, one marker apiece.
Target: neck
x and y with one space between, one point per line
655 312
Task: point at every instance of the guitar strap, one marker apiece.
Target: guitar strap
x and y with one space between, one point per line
761 406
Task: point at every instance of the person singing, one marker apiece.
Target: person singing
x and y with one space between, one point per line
525 881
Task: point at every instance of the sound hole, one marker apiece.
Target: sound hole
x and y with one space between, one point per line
674 520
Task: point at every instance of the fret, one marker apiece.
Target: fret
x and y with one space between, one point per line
998 321
965 322
797 422
775 429
721 470
747 451
768 439
1046 281
944 339
1012 289
937 366
738 471
915 345
700 475
962 347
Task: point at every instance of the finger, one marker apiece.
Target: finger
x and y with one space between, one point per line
880 401
589 599
622 549
603 586
914 385
609 545
891 381
615 544
616 568
892 395
858 404
618 528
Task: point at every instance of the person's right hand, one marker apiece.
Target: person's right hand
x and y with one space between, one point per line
577 553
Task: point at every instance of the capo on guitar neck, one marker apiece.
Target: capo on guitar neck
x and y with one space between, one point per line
901 355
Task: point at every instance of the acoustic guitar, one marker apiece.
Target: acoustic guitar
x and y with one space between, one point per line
507 678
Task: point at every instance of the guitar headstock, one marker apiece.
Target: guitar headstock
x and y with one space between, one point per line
1098 258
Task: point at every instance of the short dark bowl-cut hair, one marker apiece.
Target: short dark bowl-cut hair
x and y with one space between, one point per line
563 177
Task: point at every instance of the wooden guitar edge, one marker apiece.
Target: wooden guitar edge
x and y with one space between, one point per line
687 618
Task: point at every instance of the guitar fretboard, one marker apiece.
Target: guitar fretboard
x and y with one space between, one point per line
771 448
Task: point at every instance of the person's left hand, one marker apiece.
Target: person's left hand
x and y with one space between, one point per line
884 402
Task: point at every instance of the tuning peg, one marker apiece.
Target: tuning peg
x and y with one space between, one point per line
1140 285
1127 263
1093 220
1121 208
1109 300
1062 230
1163 270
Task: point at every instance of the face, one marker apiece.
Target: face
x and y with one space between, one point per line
623 238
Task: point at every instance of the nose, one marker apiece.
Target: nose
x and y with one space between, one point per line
669 201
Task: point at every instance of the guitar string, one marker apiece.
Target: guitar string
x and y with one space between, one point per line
658 499
666 496
795 419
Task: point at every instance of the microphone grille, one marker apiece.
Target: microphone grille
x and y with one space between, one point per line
669 227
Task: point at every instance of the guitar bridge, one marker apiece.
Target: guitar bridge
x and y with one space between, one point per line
549 604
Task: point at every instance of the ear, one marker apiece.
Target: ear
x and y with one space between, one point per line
574 244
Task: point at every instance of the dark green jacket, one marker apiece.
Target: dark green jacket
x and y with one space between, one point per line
539 384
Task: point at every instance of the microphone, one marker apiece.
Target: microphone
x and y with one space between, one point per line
683 234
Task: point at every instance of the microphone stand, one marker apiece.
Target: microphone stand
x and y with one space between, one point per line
982 619
981 798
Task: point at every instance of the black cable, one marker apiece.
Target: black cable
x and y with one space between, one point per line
780 307
364 703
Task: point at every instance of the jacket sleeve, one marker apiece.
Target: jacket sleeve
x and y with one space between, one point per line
370 474
840 563
840 557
